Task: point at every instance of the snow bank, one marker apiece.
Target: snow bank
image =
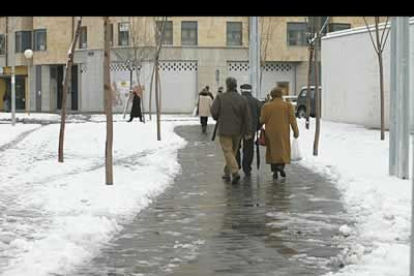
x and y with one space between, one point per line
72 212
356 160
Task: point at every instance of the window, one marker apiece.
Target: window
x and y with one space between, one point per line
83 38
40 40
168 32
234 33
2 44
334 27
23 41
296 34
189 33
123 34
111 34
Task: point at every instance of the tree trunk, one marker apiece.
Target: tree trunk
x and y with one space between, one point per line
157 103
317 101
66 80
150 99
381 71
311 49
137 74
108 106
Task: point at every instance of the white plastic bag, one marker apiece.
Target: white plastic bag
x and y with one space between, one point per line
295 154
195 112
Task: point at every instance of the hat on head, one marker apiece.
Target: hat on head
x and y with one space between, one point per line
246 88
276 92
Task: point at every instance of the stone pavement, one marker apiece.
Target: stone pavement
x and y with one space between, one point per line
201 226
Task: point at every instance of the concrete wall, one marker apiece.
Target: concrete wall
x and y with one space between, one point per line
350 78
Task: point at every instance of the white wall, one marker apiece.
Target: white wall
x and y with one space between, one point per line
350 78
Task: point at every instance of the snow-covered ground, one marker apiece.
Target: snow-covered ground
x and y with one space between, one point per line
55 216
356 160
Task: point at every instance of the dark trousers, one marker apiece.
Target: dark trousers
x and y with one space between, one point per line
248 152
277 167
203 121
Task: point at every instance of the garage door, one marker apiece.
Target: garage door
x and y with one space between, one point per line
178 85
273 73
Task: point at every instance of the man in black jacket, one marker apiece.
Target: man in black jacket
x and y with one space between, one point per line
234 123
248 144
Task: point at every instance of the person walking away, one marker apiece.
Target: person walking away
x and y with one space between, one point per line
232 112
6 101
136 104
245 160
278 116
204 105
209 93
220 90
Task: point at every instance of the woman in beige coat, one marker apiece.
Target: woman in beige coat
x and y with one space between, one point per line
278 116
205 100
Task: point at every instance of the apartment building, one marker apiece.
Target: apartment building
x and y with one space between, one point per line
197 51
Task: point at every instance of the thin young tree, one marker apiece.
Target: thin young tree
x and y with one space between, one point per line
379 46
267 27
108 105
159 37
66 81
311 48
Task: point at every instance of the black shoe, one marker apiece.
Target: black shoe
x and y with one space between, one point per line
226 178
247 174
236 179
130 120
282 173
275 175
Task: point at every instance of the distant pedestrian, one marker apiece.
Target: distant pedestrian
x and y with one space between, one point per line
208 92
232 112
6 101
220 90
245 160
204 105
136 104
278 116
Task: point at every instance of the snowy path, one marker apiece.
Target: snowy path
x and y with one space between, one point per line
56 216
201 226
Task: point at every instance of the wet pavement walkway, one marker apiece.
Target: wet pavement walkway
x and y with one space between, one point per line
201 226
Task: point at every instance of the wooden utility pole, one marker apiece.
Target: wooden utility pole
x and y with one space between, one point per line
308 99
66 80
108 106
317 97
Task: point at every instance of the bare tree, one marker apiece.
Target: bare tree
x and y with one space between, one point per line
379 45
267 27
159 37
66 80
108 105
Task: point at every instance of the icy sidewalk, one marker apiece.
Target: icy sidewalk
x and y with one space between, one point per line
55 216
357 162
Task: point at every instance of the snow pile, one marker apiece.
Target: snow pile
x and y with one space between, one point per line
356 160
55 216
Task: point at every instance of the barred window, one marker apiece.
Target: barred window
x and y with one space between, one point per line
189 33
234 33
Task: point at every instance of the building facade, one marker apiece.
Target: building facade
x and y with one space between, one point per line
196 52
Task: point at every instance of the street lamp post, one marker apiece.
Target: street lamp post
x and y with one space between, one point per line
28 55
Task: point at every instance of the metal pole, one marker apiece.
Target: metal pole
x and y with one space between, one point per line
402 88
254 56
393 107
13 78
258 69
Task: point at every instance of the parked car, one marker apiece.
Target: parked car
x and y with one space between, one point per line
292 99
301 102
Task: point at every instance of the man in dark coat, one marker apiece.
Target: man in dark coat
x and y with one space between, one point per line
136 104
248 144
232 112
6 101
